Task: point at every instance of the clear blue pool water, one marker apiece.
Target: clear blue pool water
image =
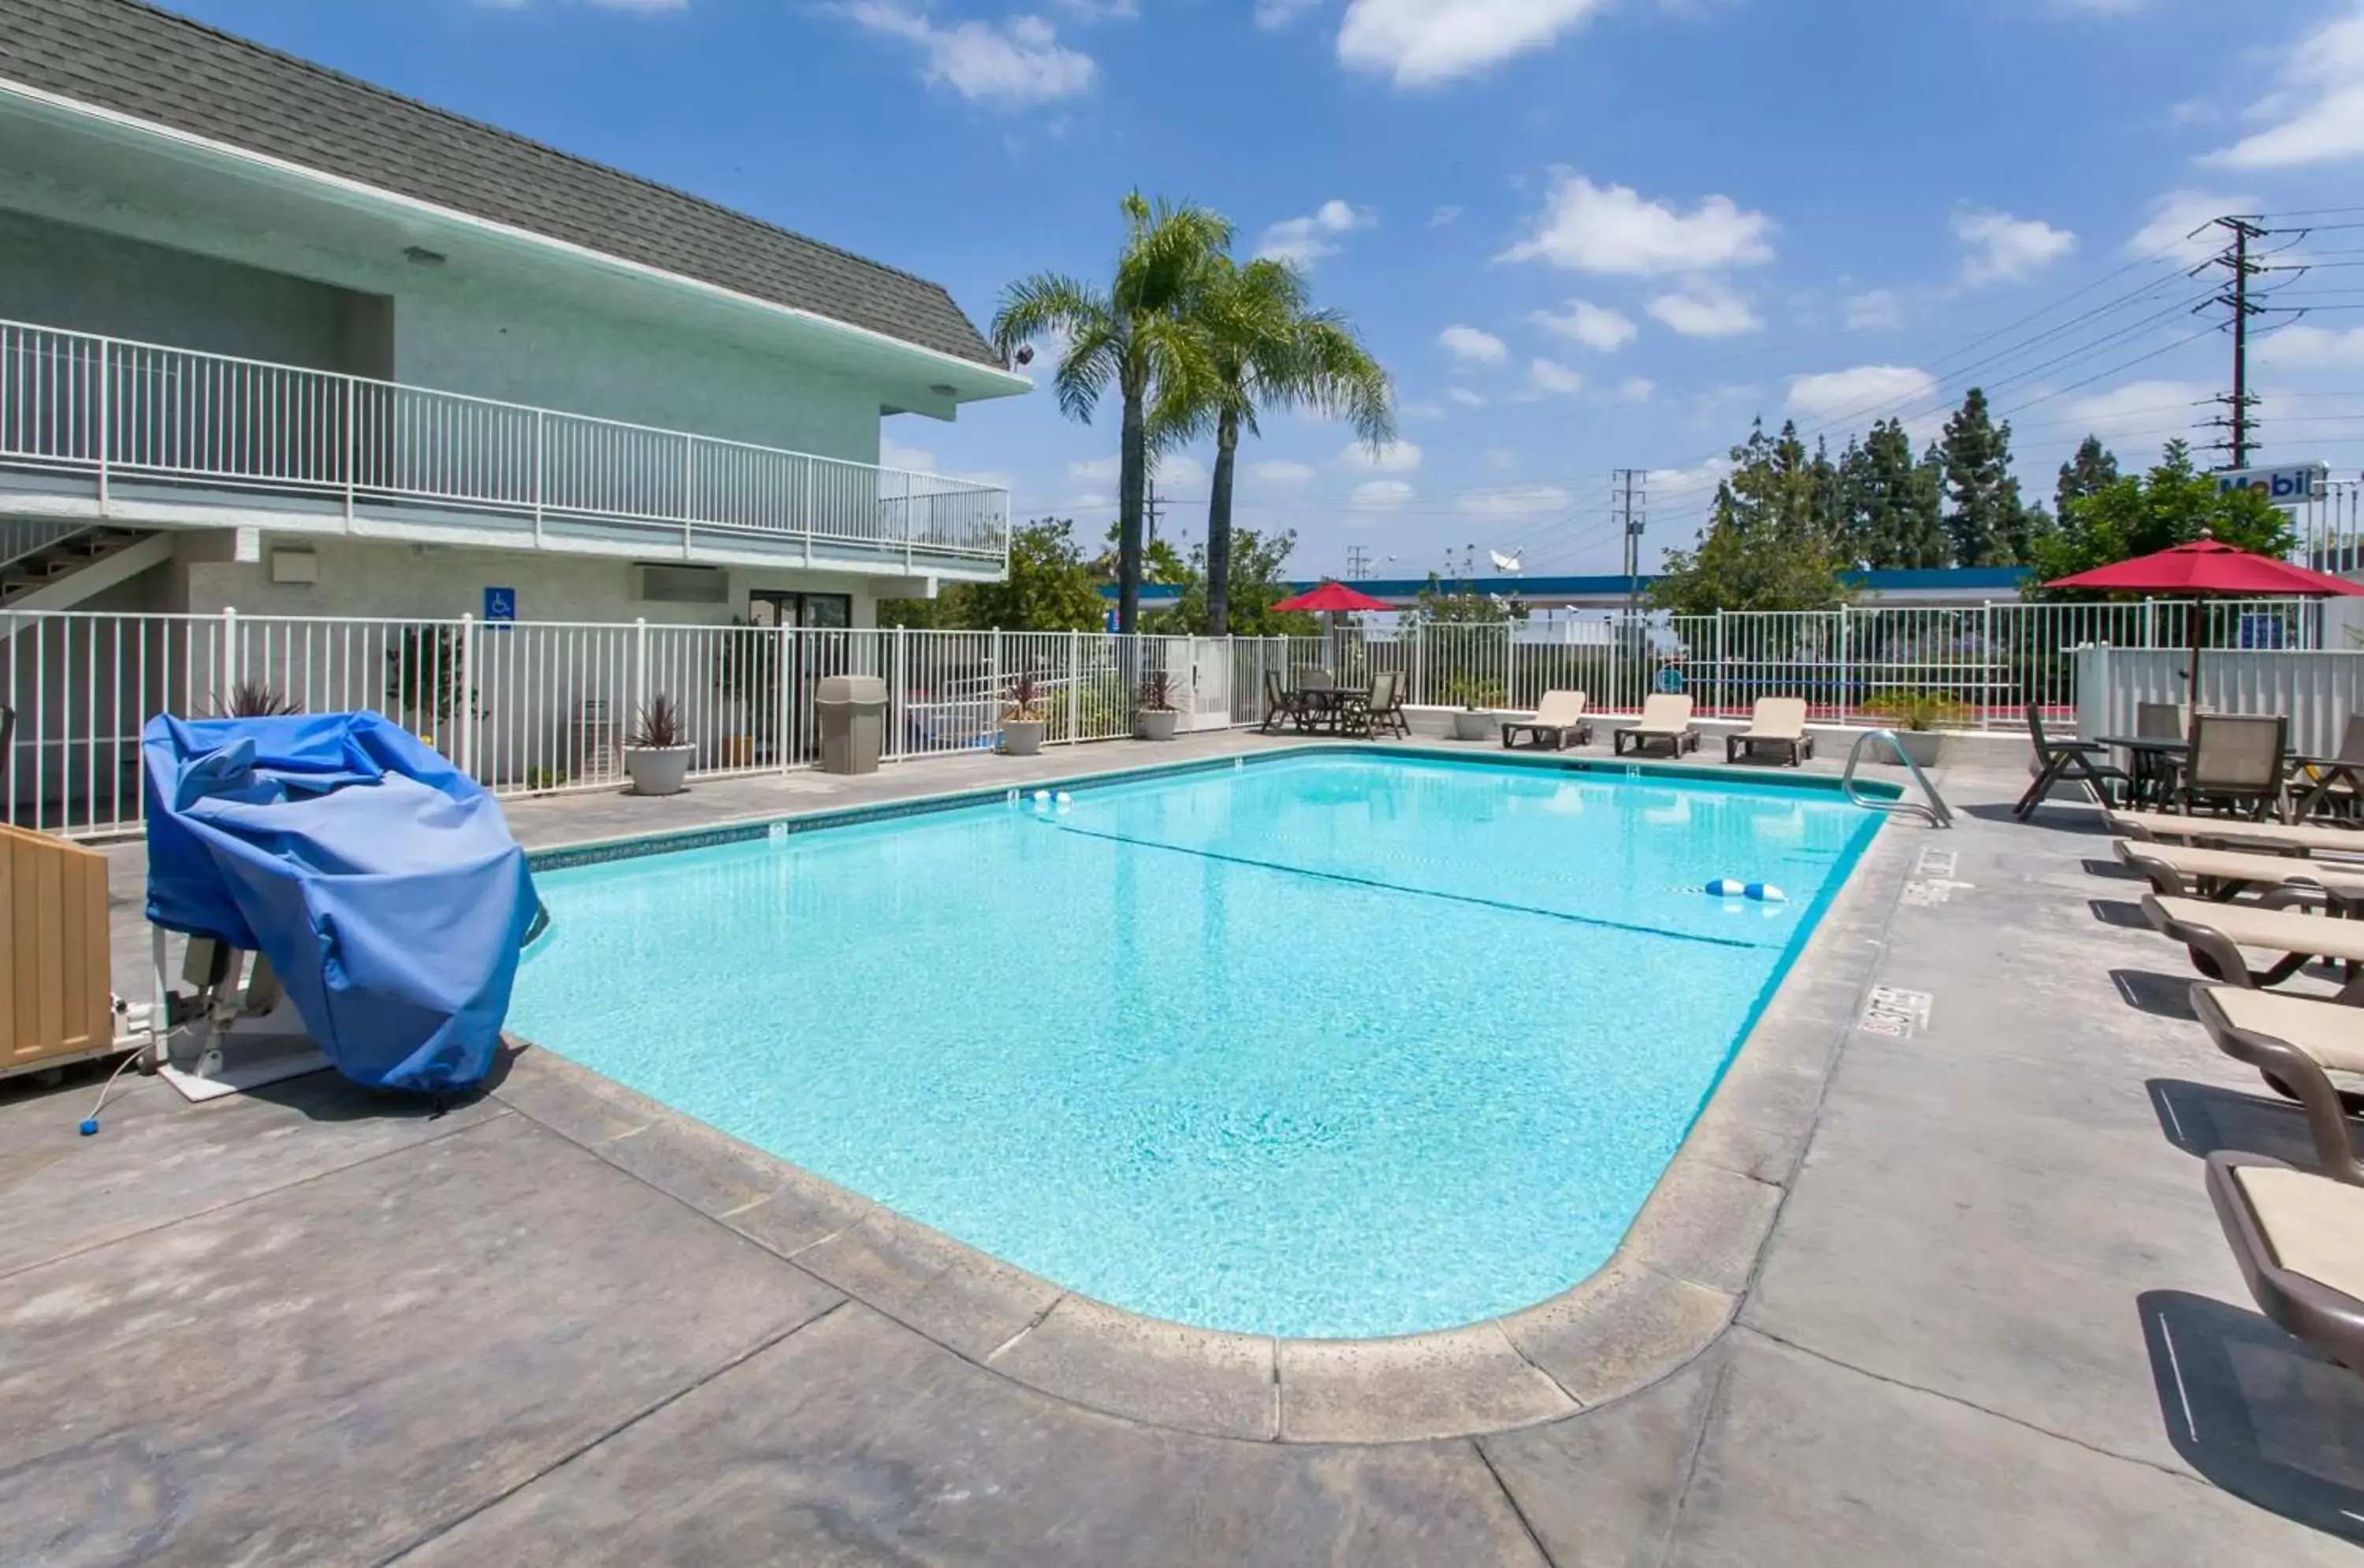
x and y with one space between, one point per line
1327 1045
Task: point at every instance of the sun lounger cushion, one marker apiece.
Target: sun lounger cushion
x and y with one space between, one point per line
2239 865
2270 931
2314 1225
2299 835
2330 1032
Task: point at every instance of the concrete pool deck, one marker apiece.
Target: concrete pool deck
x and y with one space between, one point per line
1993 1321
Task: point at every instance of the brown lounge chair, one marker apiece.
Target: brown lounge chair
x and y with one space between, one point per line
2296 1236
2214 934
1280 703
2279 837
2065 759
1665 721
1777 724
2279 881
1558 723
2296 1043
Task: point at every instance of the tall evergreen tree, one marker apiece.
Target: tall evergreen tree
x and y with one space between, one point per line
1775 541
1894 503
1986 519
2093 468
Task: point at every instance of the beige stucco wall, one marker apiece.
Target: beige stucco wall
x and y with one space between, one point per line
432 582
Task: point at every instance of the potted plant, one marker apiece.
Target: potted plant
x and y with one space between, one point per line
258 699
1478 716
655 756
1917 718
1021 719
1155 717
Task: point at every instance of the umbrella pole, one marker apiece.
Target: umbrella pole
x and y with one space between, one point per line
2192 689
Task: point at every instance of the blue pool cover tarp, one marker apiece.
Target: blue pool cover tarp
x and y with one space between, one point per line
381 881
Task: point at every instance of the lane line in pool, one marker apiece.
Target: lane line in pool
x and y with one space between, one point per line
1414 892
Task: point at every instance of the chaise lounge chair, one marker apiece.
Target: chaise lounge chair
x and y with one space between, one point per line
1777 724
2214 934
1666 721
2294 838
2296 1043
1558 723
2190 871
2295 1235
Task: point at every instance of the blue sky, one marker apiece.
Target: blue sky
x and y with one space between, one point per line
1582 234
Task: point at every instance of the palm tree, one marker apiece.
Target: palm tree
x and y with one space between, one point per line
1142 334
1270 350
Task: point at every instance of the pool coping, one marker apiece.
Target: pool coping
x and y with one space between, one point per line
1674 1284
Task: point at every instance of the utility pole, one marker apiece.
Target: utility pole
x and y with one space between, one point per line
1630 498
1358 562
2235 297
1150 508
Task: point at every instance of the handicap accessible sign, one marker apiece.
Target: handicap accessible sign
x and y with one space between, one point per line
500 606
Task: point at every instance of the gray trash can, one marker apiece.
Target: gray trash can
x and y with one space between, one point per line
852 710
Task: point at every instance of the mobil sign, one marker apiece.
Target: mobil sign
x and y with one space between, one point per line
2288 486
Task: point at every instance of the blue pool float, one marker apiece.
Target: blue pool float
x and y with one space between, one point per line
1730 887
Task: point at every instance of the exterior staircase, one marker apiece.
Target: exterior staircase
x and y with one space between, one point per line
55 566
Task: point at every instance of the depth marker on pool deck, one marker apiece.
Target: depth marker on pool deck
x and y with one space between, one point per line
1896 1013
1415 891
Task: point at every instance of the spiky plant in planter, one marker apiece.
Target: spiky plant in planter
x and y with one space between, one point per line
258 699
1155 717
656 757
1022 715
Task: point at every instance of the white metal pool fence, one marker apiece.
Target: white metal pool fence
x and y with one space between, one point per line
1988 661
536 706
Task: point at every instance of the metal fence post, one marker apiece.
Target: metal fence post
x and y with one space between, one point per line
541 468
992 665
640 669
898 698
784 669
1075 685
688 488
228 655
1510 662
105 362
1849 700
463 743
353 451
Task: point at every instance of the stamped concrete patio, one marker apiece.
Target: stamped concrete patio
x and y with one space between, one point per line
1961 1299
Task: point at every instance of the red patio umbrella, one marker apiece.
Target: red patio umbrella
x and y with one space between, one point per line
2206 568
1333 597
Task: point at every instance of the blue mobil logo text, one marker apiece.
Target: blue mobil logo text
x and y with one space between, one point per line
2283 486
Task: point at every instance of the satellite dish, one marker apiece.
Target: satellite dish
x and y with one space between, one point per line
1505 562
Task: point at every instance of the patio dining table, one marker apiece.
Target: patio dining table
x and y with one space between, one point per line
1332 708
2153 760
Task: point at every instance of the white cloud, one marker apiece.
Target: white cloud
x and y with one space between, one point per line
2007 249
1417 42
1098 470
919 459
1277 470
1705 308
1379 495
1101 10
1861 394
1638 389
1594 326
1089 502
1008 64
2316 108
2304 345
1176 470
1467 398
1280 13
1396 456
1684 486
1469 343
1420 409
1874 311
1500 457
1512 501
2175 216
1610 228
1445 216
2138 411
1305 240
1550 375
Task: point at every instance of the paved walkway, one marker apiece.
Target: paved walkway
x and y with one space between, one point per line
1995 1323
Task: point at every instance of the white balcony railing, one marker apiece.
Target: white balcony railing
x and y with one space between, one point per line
127 413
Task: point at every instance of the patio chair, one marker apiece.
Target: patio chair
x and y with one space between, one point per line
2238 763
2281 882
1357 711
1280 703
1558 723
2295 1235
1666 721
1387 709
2336 796
2068 759
2160 721
1778 724
2296 1043
2214 934
2290 839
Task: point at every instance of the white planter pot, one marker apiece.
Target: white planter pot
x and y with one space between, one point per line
658 769
1476 724
1923 746
1022 737
1155 726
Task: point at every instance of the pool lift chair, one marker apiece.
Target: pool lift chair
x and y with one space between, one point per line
234 1030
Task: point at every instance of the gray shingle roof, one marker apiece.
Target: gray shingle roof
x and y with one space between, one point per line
155 66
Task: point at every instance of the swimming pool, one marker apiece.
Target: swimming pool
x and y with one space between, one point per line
1329 1044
